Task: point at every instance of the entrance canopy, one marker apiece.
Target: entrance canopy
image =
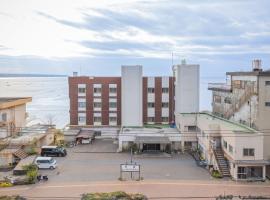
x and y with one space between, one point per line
152 139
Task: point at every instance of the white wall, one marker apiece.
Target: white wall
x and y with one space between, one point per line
187 88
132 96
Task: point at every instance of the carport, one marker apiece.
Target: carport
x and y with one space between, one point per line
153 143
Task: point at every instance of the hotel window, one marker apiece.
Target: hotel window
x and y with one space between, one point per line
165 90
97 90
112 104
151 90
150 105
97 119
165 119
82 90
248 152
267 82
81 104
97 104
217 99
82 119
267 104
113 90
112 119
151 119
230 148
165 105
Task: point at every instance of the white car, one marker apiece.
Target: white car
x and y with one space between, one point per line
45 163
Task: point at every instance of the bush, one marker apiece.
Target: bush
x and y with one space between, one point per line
12 198
31 172
119 195
5 184
216 174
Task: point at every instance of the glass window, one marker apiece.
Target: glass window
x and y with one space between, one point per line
112 104
165 105
97 119
267 104
151 90
165 90
230 148
151 119
267 82
112 119
113 90
81 104
82 90
150 105
97 104
248 152
165 119
227 100
241 173
97 90
224 144
82 119
4 117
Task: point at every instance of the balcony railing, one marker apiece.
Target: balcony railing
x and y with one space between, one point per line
219 87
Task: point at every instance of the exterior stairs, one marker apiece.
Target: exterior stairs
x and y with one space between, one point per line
222 164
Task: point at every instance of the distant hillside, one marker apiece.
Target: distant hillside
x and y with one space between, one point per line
31 75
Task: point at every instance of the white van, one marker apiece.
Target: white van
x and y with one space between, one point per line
45 163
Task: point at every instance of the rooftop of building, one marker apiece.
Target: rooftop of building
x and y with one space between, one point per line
30 134
249 73
230 125
149 130
8 102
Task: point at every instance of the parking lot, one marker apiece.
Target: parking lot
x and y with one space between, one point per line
100 162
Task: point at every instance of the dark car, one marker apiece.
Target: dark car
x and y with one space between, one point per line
53 151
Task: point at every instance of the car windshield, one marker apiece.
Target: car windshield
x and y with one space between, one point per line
51 160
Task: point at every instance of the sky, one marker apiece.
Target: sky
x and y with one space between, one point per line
96 37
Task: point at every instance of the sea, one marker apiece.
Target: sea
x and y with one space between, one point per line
50 100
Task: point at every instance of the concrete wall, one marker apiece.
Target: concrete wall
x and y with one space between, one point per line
132 96
187 88
264 113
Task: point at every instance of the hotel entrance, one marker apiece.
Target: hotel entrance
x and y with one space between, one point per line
151 147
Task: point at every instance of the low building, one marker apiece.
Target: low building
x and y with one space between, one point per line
245 97
232 148
12 115
149 139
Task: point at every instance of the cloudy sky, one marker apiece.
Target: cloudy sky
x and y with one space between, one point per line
97 36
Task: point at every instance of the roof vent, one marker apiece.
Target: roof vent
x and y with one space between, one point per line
75 74
257 65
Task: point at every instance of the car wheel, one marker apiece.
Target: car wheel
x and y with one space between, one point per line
51 167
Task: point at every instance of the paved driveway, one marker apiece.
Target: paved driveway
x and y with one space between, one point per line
88 163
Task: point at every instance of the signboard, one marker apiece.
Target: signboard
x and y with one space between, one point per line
130 168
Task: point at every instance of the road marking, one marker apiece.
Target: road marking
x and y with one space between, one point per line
137 184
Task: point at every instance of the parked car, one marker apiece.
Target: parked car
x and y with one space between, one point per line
53 151
45 163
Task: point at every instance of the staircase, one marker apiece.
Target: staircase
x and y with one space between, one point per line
244 98
222 164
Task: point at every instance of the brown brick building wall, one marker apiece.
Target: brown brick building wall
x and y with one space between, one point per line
105 81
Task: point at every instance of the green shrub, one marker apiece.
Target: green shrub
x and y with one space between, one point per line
216 174
119 195
5 184
31 172
12 198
